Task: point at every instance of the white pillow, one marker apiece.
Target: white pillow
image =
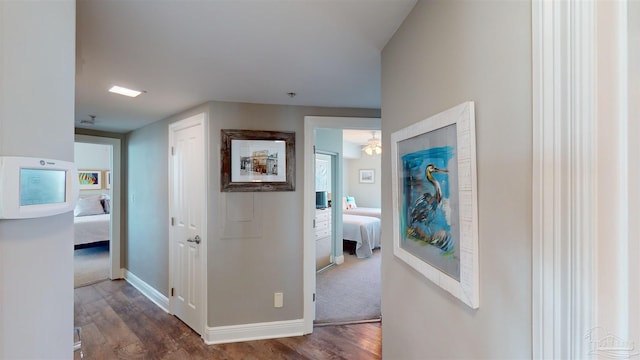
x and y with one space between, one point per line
89 205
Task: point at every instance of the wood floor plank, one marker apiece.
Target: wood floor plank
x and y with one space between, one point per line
120 323
145 330
114 329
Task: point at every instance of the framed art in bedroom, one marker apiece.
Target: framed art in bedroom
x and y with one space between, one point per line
435 229
254 160
90 179
107 179
367 176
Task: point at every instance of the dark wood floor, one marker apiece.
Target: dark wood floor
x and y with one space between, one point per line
117 321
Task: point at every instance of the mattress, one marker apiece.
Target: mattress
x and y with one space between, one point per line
364 230
365 211
89 229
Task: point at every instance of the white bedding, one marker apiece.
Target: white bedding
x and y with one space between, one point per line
89 229
365 211
364 230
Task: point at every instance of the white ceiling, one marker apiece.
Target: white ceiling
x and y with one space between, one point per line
184 53
359 137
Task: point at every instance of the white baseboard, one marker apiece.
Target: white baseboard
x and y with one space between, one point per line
147 290
249 332
339 259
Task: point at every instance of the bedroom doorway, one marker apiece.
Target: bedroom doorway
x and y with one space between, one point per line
312 125
97 213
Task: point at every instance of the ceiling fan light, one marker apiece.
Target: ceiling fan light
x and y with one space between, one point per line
373 145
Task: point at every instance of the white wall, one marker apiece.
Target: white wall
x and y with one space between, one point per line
445 53
366 194
351 150
37 79
92 156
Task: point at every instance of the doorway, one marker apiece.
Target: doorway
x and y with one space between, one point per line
188 219
312 123
107 191
324 217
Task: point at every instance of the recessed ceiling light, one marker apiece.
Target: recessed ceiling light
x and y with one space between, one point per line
124 91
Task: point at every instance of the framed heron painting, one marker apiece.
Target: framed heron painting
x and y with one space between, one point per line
435 228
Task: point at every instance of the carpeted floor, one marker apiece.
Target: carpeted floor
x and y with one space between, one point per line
349 291
91 265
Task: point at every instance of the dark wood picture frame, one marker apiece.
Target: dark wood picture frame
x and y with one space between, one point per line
248 172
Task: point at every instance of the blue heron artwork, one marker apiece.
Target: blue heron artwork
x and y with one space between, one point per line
429 215
427 190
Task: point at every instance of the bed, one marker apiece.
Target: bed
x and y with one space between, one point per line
364 231
364 211
92 220
91 229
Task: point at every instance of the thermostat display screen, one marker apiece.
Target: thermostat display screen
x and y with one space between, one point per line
41 186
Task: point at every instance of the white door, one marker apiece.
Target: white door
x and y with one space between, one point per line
187 207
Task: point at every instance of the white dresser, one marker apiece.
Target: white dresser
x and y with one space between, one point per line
323 237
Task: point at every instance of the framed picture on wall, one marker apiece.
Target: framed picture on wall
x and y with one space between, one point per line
435 226
367 176
107 179
257 161
90 179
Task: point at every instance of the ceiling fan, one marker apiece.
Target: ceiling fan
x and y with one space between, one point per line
373 145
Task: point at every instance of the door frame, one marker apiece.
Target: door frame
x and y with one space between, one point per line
311 123
116 271
202 120
336 257
585 277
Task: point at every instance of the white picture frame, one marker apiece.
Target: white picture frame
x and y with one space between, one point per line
367 176
435 223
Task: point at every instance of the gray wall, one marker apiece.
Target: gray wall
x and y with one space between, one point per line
447 52
147 249
244 268
37 79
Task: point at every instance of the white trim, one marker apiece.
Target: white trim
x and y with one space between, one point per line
147 290
116 203
615 242
203 120
249 332
339 260
311 123
565 177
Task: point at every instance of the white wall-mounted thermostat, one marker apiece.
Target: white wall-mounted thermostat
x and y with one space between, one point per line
36 187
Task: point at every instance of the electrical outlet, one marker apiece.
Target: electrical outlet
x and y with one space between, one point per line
278 300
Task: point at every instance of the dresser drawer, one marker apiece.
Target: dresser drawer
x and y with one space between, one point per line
322 233
320 225
323 215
